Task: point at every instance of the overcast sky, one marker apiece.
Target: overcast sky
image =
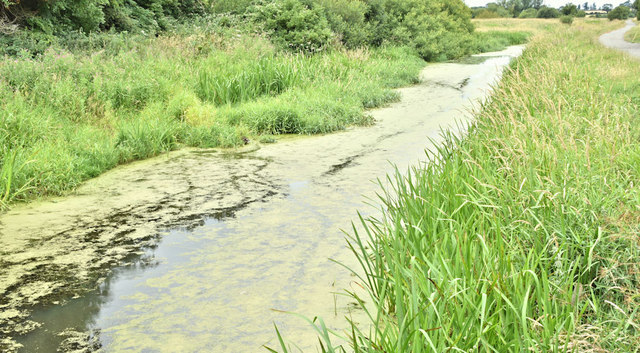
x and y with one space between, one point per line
552 3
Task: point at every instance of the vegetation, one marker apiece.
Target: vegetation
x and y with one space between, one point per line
566 19
528 13
569 10
548 12
633 35
523 235
76 104
619 13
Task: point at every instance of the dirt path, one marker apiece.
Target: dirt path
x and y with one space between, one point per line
615 40
190 251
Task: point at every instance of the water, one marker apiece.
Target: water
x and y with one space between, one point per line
212 246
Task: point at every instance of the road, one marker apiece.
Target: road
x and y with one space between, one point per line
615 40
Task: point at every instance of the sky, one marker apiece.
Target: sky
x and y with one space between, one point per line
553 3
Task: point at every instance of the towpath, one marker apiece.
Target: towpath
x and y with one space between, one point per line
615 40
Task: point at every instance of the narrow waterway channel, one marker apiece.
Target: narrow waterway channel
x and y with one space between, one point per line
192 251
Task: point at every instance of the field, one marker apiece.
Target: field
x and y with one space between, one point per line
523 235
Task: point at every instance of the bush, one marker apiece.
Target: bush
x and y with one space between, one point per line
548 12
438 30
347 20
619 13
569 9
293 25
61 16
581 14
484 13
528 13
566 19
232 6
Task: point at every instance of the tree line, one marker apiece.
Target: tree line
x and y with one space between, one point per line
537 9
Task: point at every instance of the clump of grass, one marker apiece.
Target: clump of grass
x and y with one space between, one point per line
523 235
242 83
568 20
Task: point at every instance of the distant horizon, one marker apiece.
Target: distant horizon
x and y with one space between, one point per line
551 3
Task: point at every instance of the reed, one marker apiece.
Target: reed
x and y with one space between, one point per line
523 235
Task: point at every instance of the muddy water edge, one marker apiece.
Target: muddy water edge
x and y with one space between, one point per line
192 250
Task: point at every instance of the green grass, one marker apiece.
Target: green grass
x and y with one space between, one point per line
106 99
524 235
496 40
69 116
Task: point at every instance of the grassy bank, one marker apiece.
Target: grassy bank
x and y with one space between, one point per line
88 104
633 35
524 235
67 117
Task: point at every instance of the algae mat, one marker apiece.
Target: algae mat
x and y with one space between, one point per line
192 250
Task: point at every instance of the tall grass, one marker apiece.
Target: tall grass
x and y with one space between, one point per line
69 116
633 35
242 83
523 235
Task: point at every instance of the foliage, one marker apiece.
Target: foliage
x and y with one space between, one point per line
69 116
581 14
61 16
484 13
566 19
509 239
619 13
293 24
569 10
548 12
232 6
347 19
529 13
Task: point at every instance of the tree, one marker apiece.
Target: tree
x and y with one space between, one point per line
569 9
636 5
528 13
607 7
585 6
619 13
548 12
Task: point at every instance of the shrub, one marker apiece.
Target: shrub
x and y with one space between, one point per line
60 16
347 20
581 14
528 13
232 6
548 12
569 9
566 19
484 13
438 30
292 24
619 13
